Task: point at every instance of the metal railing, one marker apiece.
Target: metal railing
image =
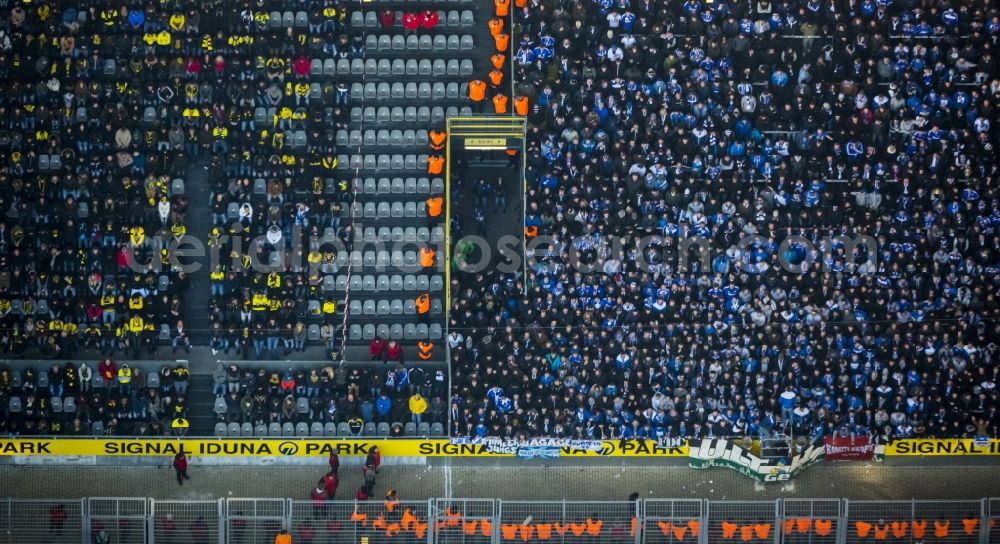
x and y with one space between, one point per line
128 520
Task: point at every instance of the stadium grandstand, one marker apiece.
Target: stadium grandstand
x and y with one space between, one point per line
367 256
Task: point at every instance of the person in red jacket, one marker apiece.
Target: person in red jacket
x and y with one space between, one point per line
181 467
301 66
394 351
411 21
108 371
387 18
429 19
376 348
330 484
318 497
361 495
334 462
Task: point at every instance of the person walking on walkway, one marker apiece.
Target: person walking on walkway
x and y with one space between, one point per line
181 467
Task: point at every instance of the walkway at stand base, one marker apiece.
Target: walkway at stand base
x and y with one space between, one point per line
529 481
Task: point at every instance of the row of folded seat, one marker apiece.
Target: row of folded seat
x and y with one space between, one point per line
321 430
383 282
386 307
385 210
446 19
384 186
436 115
391 68
400 44
396 331
383 161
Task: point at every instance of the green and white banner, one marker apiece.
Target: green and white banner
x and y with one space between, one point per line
722 453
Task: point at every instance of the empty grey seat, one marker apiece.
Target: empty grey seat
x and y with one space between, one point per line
467 42
410 90
371 42
329 67
436 283
358 67
343 429
398 67
421 331
220 406
274 429
454 19
437 429
14 405
454 42
246 429
384 67
260 430
440 43
97 428
370 429
452 67
439 67
425 67
423 234
288 429
423 185
411 115
330 429
409 331
424 429
371 67
426 43
438 91
384 91
396 332
383 429
221 429
302 429
316 429
466 18
398 114
302 405
399 43
371 19
369 331
234 429
409 136
424 114
69 405
434 331
466 67
410 429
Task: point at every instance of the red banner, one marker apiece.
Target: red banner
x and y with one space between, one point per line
841 448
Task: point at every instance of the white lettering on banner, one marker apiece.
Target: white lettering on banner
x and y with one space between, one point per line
713 452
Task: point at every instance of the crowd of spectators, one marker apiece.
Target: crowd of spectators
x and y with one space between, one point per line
724 120
274 173
110 399
362 398
96 139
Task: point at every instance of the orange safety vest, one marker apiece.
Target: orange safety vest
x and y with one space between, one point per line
503 7
919 528
477 90
435 163
729 529
390 504
762 530
824 527
434 206
486 527
520 3
969 525
521 105
594 527
544 531
530 232
941 528
437 139
423 303
881 532
407 520
496 27
746 533
508 531
379 523
899 528
392 530
527 531
424 350
426 257
498 60
679 531
502 41
500 103
694 525
496 77
789 523
664 527
469 527
862 528
419 529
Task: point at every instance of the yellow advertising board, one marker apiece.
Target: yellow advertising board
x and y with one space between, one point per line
944 446
306 447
